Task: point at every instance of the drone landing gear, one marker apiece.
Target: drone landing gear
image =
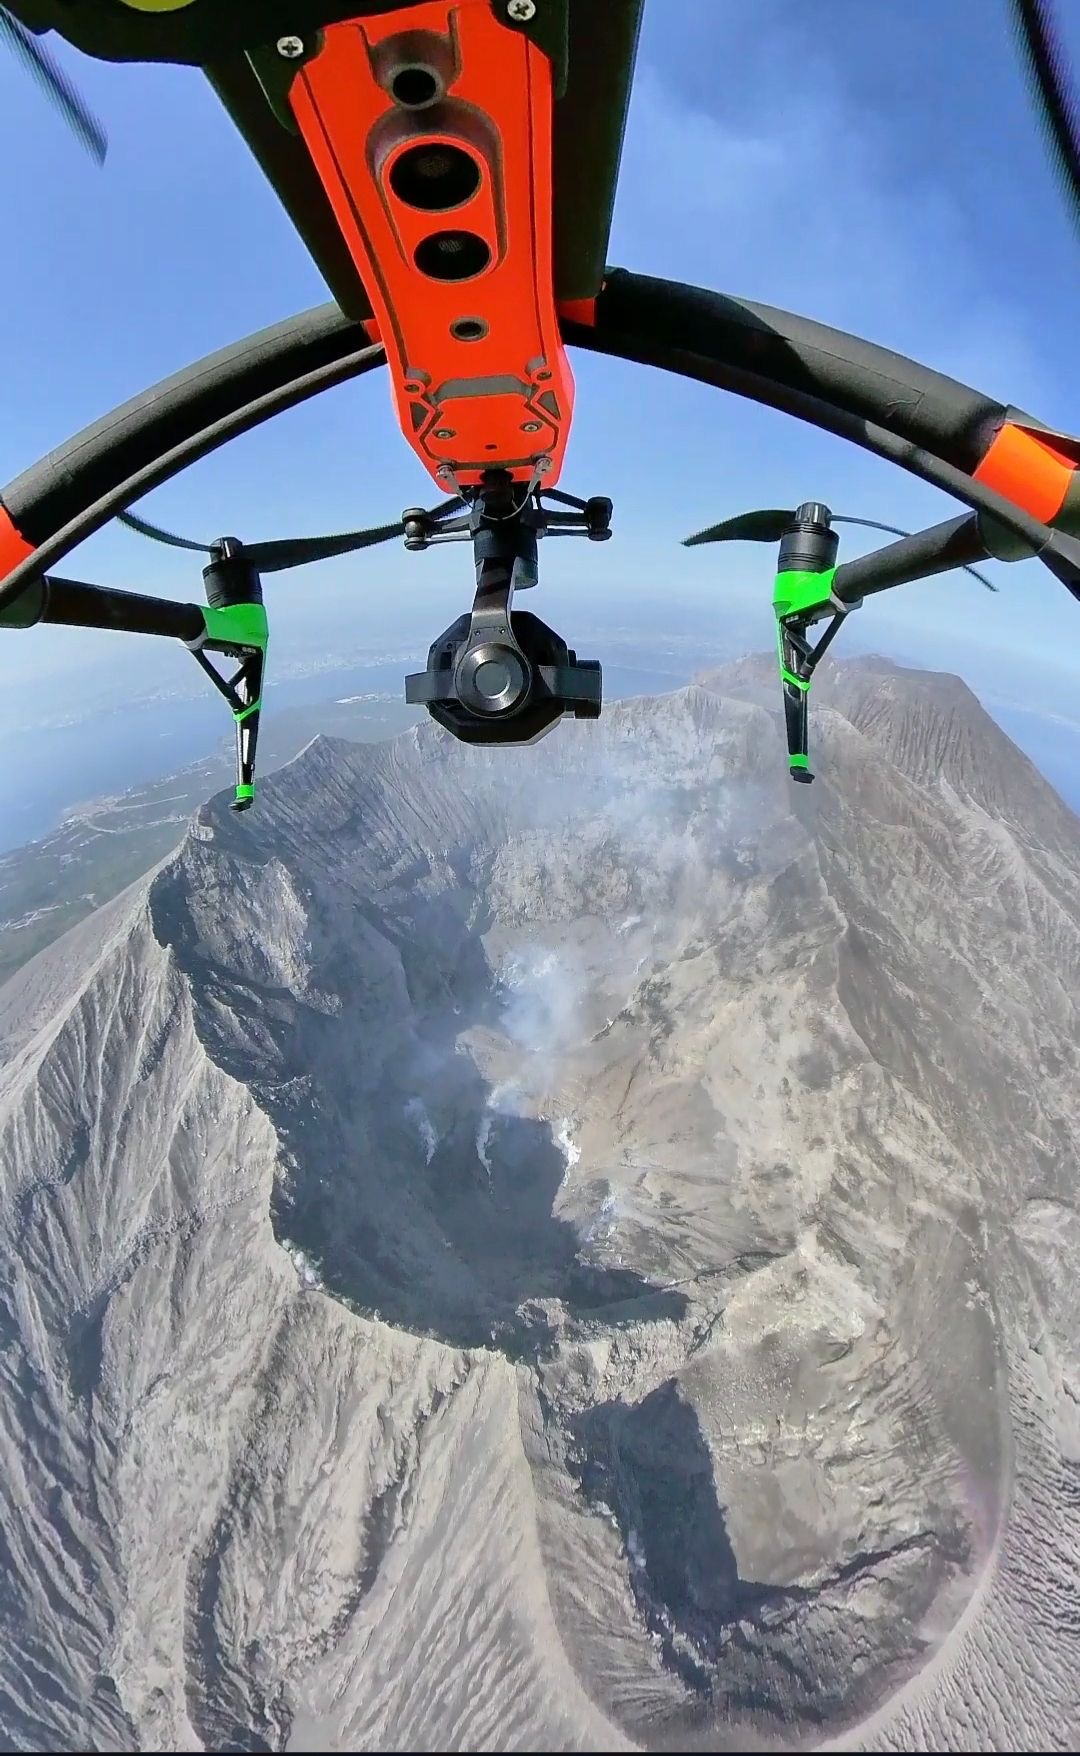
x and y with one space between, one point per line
235 607
798 661
498 675
804 595
232 623
810 586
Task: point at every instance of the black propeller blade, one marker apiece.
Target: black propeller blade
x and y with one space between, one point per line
157 535
55 84
769 526
749 527
276 557
1055 97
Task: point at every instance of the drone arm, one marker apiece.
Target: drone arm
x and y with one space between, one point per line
73 604
236 629
955 543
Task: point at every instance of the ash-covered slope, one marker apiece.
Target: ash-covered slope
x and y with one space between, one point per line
932 727
567 1248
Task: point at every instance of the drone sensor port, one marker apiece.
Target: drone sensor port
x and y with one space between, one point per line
435 176
415 68
450 256
414 88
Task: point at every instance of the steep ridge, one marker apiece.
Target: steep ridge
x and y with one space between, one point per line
569 1248
930 725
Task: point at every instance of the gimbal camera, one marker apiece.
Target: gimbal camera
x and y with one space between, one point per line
499 675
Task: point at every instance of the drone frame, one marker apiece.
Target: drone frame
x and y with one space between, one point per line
1020 478
365 116
527 102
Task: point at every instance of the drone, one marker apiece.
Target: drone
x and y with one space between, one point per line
451 167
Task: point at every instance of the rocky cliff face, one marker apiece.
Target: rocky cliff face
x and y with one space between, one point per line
567 1248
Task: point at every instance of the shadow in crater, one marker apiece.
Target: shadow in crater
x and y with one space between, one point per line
649 1466
759 1662
463 1247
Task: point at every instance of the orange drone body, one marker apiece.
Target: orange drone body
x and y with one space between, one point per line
434 147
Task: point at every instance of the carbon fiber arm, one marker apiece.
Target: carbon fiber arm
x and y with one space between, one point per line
927 423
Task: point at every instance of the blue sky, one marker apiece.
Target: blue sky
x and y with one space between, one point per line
875 166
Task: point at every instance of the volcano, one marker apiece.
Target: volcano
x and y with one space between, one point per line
571 1247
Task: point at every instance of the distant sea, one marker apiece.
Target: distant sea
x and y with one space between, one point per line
45 773
1052 745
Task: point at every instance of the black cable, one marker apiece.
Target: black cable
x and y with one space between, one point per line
1048 76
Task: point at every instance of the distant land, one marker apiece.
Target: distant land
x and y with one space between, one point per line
111 793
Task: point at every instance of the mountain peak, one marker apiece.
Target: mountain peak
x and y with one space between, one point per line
929 724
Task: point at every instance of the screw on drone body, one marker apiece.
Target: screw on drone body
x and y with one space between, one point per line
290 48
521 11
446 432
530 426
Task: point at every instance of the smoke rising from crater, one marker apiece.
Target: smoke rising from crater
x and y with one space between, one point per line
749 1427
